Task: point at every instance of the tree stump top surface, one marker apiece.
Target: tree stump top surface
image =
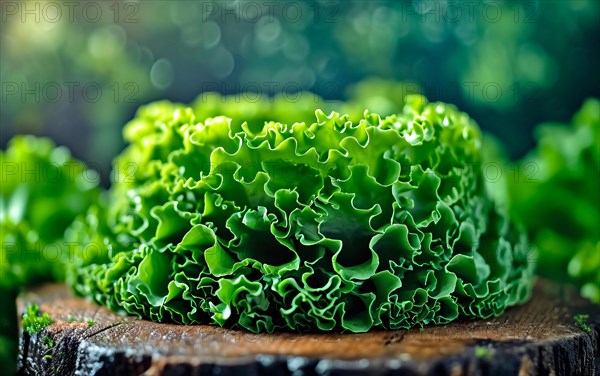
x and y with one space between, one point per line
539 337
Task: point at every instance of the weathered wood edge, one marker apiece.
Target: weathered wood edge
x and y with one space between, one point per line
77 351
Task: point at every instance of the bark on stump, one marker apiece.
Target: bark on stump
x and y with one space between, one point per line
539 338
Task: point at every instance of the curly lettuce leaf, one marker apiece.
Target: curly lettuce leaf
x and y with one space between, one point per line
323 223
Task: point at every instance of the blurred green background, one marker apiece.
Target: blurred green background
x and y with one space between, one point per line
77 71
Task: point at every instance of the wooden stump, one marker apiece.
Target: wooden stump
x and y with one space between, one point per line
539 338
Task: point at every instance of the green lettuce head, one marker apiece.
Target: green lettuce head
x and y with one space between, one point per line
317 223
556 195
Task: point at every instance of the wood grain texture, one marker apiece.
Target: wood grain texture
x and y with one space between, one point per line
539 338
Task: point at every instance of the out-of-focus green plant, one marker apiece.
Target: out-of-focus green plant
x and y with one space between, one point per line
555 193
43 190
321 224
256 109
382 96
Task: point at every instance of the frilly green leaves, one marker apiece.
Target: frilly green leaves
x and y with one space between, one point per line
312 222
